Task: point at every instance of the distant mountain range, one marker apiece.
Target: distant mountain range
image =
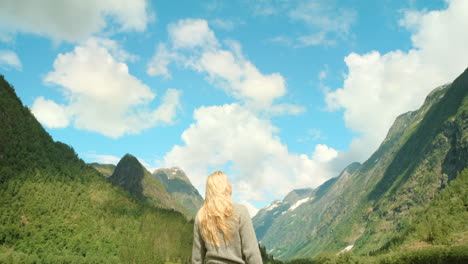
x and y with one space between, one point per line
383 202
279 213
165 187
181 189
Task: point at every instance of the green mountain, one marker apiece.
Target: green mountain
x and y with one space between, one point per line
131 175
56 209
392 197
106 170
180 188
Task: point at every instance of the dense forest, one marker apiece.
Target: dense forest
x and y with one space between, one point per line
56 209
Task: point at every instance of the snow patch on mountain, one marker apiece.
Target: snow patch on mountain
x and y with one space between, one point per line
299 202
273 205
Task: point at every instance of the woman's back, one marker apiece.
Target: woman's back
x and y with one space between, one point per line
242 248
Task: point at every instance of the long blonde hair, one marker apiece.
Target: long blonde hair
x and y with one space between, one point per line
217 209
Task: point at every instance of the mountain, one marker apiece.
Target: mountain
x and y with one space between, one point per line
281 216
131 175
106 170
181 189
386 199
56 209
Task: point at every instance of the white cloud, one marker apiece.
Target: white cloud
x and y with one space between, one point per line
102 96
160 61
324 16
284 40
323 153
232 136
316 39
71 20
191 33
269 7
225 68
150 168
242 79
379 87
326 21
49 113
103 159
9 59
114 49
312 135
250 207
226 24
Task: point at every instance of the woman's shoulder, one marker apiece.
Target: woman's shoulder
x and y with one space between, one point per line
240 209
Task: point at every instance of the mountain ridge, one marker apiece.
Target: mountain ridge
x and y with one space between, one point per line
423 151
131 175
180 187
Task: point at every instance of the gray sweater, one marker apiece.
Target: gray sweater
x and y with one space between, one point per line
243 248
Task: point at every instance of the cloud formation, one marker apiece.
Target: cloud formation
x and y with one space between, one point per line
9 59
238 137
194 45
100 93
234 137
379 87
103 159
326 23
71 20
50 113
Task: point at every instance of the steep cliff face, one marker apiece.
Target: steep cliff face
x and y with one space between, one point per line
422 152
131 175
181 189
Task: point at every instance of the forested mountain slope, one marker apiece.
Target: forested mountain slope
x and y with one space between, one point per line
56 209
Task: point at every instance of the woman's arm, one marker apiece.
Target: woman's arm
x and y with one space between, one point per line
198 248
250 248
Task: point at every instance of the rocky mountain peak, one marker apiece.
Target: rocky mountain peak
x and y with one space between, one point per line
129 174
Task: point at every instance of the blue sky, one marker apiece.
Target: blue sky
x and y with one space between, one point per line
279 94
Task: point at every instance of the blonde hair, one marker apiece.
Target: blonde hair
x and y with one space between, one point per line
217 209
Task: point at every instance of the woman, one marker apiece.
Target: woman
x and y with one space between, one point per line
223 231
